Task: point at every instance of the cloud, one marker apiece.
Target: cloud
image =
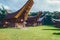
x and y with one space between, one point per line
53 1
14 1
58 9
39 5
36 5
5 6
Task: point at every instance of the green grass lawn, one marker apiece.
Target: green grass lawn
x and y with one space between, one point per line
30 33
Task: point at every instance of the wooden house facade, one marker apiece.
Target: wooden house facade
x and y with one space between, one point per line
18 18
32 20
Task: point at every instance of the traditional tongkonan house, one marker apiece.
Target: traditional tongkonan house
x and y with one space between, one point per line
32 20
18 18
56 21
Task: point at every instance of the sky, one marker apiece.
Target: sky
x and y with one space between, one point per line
39 5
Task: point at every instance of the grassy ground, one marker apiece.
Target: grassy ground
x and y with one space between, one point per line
30 33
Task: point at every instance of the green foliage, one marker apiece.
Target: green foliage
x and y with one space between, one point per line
47 20
33 13
2 13
56 15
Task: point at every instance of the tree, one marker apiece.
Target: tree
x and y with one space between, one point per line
33 13
47 20
2 13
